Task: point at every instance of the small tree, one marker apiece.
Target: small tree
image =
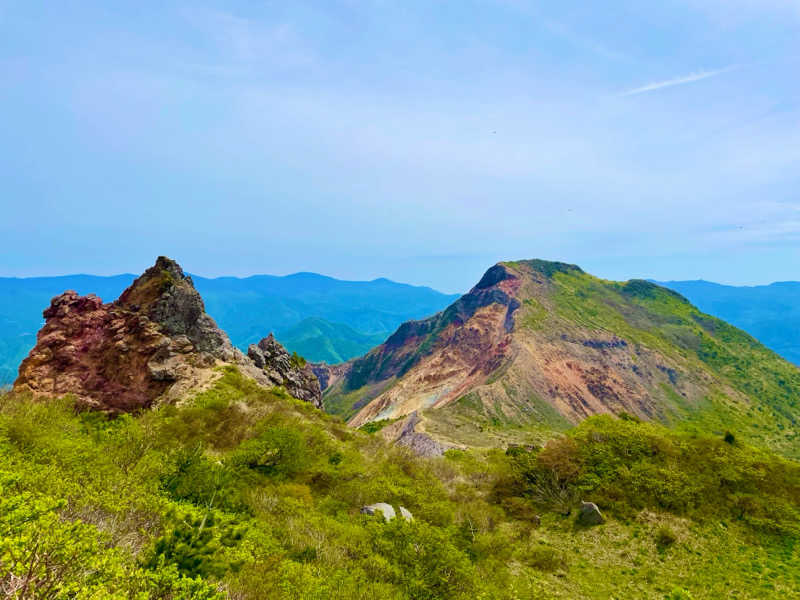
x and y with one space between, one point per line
195 545
278 452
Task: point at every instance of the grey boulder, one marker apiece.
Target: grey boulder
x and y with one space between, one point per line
405 513
589 514
387 510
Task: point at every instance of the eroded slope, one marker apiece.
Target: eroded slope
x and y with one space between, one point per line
546 343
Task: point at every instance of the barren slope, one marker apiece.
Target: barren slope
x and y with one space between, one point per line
546 343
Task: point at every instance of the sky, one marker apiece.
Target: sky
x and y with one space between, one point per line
422 141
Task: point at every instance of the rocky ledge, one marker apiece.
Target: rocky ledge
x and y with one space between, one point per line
155 342
289 371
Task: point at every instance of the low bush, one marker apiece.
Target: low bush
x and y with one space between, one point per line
625 466
248 494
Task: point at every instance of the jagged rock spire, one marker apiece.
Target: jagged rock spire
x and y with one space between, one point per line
156 341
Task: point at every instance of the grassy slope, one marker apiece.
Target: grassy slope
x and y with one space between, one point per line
292 479
771 313
322 341
646 314
756 397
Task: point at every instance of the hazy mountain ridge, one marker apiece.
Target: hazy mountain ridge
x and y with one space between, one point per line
349 318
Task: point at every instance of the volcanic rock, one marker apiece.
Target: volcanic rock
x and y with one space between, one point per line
589 514
166 295
405 513
291 372
155 342
405 433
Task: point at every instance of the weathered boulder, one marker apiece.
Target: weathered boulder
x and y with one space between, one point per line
387 511
281 368
405 513
589 514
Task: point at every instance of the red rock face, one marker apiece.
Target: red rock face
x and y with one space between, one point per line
505 348
155 341
97 352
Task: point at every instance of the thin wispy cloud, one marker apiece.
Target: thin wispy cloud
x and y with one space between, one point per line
691 78
583 42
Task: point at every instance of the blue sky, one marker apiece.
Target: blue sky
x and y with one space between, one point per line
422 141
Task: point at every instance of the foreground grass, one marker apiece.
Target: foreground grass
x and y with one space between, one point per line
244 493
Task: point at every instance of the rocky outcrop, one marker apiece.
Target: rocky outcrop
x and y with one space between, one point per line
386 511
155 342
405 433
589 514
329 375
166 296
289 371
109 358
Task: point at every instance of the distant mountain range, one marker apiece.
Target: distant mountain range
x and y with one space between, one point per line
770 313
330 320
319 317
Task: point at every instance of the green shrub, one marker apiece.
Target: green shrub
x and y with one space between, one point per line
665 537
277 452
424 561
194 543
544 558
44 556
679 594
376 426
196 478
297 361
628 466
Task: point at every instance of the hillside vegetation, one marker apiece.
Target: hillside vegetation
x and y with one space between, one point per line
770 313
323 341
242 492
536 346
757 392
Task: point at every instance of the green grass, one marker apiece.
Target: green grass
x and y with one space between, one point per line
376 426
469 421
247 493
533 314
650 316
